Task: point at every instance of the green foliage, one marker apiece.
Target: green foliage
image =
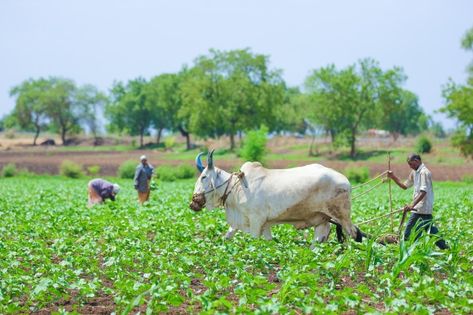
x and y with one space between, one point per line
9 170
230 91
357 174
254 145
437 130
423 145
70 169
459 105
127 169
10 134
93 170
164 258
468 179
128 110
169 142
344 101
464 142
171 173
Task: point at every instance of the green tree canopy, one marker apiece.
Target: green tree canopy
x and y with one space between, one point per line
127 111
227 92
163 100
61 107
31 109
89 103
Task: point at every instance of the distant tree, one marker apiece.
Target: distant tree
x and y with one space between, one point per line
399 108
227 92
127 111
467 44
344 101
89 103
30 112
437 129
292 112
163 100
61 107
459 105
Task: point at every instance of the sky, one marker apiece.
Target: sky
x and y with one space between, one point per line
101 41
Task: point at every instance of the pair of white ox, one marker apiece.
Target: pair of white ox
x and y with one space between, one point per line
257 198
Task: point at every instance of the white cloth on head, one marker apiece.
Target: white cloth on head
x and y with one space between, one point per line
143 157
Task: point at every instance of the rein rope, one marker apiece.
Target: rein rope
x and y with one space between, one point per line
227 192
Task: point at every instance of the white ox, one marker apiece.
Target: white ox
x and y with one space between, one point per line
257 198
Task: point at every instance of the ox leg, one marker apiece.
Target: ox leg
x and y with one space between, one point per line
321 233
255 228
267 232
231 233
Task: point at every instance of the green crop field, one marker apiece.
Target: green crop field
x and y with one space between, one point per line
57 255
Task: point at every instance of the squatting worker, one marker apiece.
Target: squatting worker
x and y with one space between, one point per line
421 178
142 179
100 189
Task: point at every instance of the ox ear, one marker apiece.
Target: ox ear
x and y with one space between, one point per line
210 161
198 162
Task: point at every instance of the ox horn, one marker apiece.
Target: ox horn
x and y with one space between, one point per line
210 161
198 162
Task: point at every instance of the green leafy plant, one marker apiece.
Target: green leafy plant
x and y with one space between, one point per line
70 169
254 145
171 173
127 169
93 170
357 174
9 170
423 145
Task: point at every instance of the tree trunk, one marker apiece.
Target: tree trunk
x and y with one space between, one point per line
332 135
186 134
158 136
352 144
232 141
63 135
36 135
141 139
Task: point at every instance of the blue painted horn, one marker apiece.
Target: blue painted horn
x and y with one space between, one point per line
210 161
198 162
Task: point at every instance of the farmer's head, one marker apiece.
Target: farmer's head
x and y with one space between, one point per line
143 160
414 161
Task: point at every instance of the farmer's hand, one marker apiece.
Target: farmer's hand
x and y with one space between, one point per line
390 174
408 208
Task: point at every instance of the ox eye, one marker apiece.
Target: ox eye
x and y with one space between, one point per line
203 177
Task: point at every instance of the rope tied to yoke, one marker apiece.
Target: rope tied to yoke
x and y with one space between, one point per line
371 188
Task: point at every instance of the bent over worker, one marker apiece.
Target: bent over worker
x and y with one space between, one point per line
142 179
423 199
100 189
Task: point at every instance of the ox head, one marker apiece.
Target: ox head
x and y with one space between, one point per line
205 194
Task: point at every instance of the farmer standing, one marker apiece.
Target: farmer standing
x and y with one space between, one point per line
422 205
100 189
142 179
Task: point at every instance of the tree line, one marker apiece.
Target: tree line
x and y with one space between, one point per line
226 93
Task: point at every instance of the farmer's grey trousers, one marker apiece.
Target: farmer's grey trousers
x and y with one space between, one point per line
425 223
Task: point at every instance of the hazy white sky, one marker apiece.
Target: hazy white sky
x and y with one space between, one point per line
99 41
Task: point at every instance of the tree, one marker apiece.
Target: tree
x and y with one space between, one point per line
30 110
163 100
227 92
344 101
127 110
89 101
399 108
459 105
467 44
61 106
